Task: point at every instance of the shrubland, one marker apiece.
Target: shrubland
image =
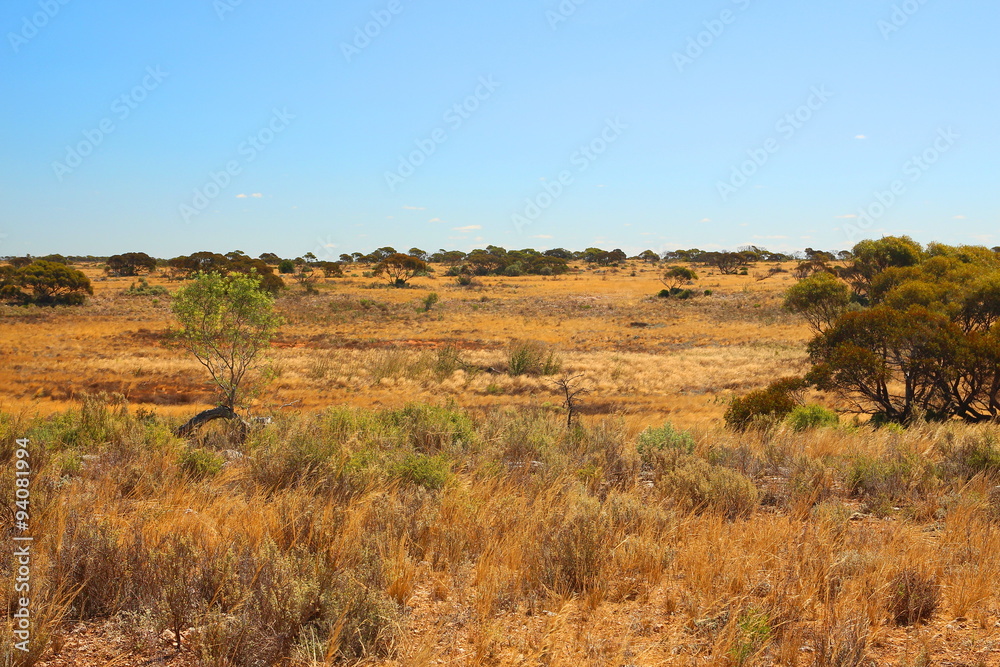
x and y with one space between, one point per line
404 536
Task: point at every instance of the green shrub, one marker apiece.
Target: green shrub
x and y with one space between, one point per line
430 300
286 266
805 417
708 292
665 437
893 477
764 408
429 429
145 289
430 472
975 455
201 463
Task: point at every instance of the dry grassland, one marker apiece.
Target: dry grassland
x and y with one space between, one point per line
360 343
417 508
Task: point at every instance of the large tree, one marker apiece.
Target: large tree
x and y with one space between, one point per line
52 283
129 264
923 334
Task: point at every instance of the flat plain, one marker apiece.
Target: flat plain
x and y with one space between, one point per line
414 503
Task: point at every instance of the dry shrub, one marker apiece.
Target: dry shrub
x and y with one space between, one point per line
698 485
913 596
842 644
573 546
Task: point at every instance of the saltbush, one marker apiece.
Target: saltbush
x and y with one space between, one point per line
805 417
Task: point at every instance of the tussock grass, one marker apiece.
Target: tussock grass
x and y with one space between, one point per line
396 536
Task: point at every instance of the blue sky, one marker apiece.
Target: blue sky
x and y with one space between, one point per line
172 127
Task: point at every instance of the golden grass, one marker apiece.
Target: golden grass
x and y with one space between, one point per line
530 544
360 343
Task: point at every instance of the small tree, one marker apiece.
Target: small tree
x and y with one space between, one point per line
227 323
675 276
399 268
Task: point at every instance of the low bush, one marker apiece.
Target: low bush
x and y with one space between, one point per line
764 408
805 417
698 485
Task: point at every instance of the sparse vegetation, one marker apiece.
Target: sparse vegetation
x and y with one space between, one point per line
460 519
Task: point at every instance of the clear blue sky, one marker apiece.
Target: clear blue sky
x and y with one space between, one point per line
115 113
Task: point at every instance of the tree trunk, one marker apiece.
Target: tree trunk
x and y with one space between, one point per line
221 412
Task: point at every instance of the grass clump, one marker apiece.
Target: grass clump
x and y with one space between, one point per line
913 597
698 485
531 358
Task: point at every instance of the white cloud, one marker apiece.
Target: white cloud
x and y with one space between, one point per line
241 196
467 228
959 217
435 220
706 220
860 136
256 195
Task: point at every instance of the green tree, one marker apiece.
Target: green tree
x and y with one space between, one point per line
227 323
399 268
820 299
649 256
52 283
675 276
129 264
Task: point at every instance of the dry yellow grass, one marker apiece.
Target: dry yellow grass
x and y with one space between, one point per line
395 531
360 343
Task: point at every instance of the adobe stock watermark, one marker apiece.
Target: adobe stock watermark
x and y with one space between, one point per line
454 117
22 546
31 25
714 29
562 13
325 249
365 34
900 16
122 107
224 7
583 158
248 151
786 127
912 171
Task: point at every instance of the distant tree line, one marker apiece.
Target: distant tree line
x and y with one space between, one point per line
396 266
